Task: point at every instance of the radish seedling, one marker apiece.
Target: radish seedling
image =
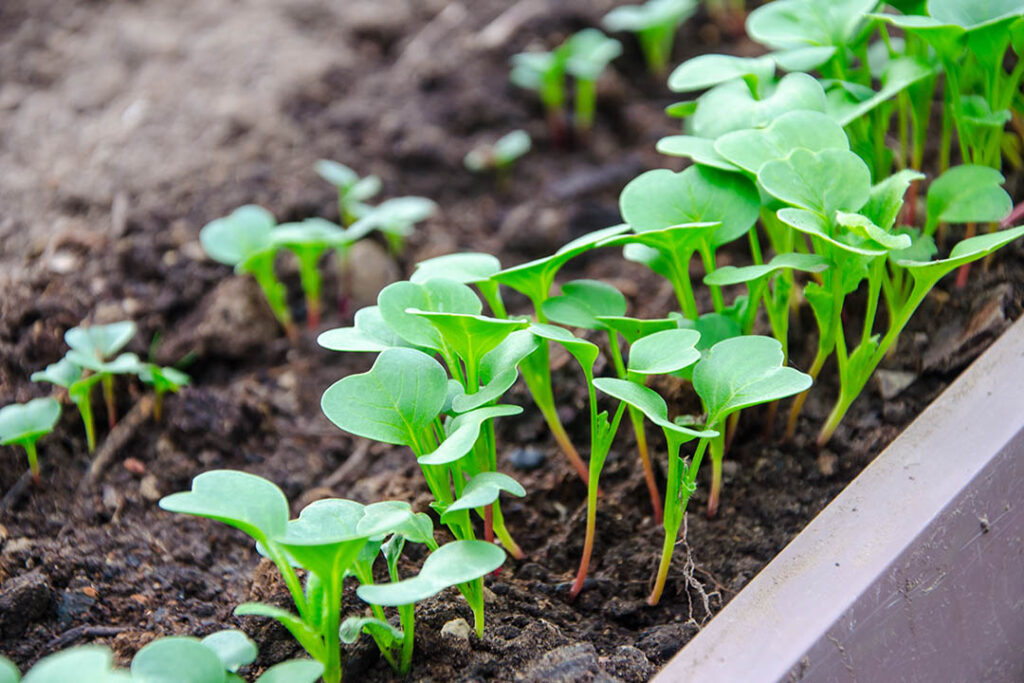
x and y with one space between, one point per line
325 540
353 191
500 155
681 478
590 51
308 241
163 380
243 239
25 423
396 219
655 24
534 280
470 268
93 347
66 374
544 72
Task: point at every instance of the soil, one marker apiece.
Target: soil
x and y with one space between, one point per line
129 124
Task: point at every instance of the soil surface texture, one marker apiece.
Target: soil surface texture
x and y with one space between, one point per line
129 124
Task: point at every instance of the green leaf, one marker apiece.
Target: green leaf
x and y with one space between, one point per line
590 51
582 301
811 130
650 404
700 150
339 175
163 378
898 75
470 336
534 278
397 398
293 671
126 363
970 249
814 225
803 58
381 631
310 640
100 341
451 564
632 329
787 24
238 237
232 647
886 198
742 372
399 215
651 14
312 232
732 275
467 268
583 351
823 182
660 199
507 355
177 659
664 352
660 249
437 295
87 663
483 489
731 106
245 501
709 70
502 382
8 672
370 333
864 228
967 194
922 247
463 433
63 373
27 422
973 14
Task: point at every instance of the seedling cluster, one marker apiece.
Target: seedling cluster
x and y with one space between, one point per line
249 238
93 358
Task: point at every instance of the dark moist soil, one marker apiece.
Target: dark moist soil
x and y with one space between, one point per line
419 84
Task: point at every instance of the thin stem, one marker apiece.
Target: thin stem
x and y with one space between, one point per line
585 104
85 408
683 289
504 536
33 459
717 455
108 397
407 615
798 402
707 257
637 418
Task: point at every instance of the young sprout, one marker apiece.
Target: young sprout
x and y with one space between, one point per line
308 241
590 51
163 380
353 191
325 540
534 280
499 156
545 73
396 218
655 24
26 423
681 479
92 347
66 374
243 239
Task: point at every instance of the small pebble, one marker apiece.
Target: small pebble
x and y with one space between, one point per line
526 459
456 628
135 466
149 489
827 463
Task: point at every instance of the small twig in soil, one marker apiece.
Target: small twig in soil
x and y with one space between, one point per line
15 493
83 631
116 440
353 468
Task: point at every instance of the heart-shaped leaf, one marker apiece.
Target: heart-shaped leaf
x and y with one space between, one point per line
823 182
731 106
232 647
590 51
967 194
467 268
870 234
451 564
507 355
370 333
660 199
484 489
534 278
470 336
100 341
177 659
632 329
886 198
238 237
650 404
752 149
91 663
583 351
463 433
814 225
293 671
382 631
339 175
393 402
23 423
312 232
126 363
970 249
664 352
709 70
582 301
63 373
245 501
700 150
732 275
793 23
742 372
437 295
399 215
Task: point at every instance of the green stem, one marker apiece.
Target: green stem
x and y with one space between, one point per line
585 104
501 531
407 615
108 397
85 409
717 455
683 289
707 256
33 459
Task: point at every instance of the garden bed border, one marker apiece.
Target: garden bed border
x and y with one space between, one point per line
915 572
